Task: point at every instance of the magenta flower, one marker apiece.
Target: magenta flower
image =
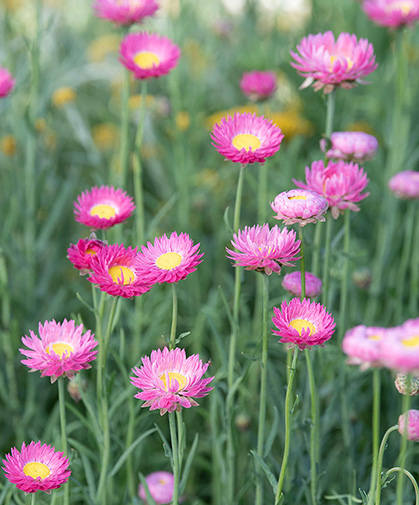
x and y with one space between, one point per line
103 207
327 63
299 206
392 13
351 146
303 323
400 350
114 270
246 138
36 468
407 384
340 183
81 254
264 250
258 85
60 349
148 55
292 283
125 12
168 380
362 345
405 184
409 425
6 82
160 485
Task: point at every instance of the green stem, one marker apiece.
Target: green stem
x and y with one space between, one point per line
379 469
33 499
414 277
315 267
130 438
262 190
326 266
409 475
124 135
61 398
174 317
375 424
175 460
331 102
403 443
345 274
302 264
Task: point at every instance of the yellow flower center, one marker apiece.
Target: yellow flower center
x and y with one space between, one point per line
348 60
411 341
246 141
35 470
103 211
374 337
179 378
300 324
299 197
61 348
169 260
90 252
405 7
146 59
119 271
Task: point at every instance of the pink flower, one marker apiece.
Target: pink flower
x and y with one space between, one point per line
264 250
160 485
246 138
292 283
362 345
392 13
169 381
125 12
299 206
351 146
258 85
36 468
340 183
6 82
148 55
113 270
81 254
327 63
400 351
303 323
103 207
60 349
405 184
409 425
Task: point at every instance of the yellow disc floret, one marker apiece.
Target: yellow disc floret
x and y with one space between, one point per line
246 141
63 349
169 260
103 211
300 324
119 271
35 470
146 59
180 379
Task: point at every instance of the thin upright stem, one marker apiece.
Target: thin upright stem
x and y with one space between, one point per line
124 135
33 499
61 398
315 264
403 443
331 102
174 317
376 394
414 266
345 274
175 460
302 264
326 266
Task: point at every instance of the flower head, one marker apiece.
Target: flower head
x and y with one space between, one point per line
80 254
340 183
36 468
258 85
168 380
299 206
148 55
303 323
405 184
400 350
351 146
60 349
292 283
407 385
6 82
168 259
327 63
103 207
160 485
392 13
125 12
409 425
246 138
362 345
263 249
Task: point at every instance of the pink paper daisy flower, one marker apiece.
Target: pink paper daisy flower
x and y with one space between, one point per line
36 468
103 207
409 425
351 146
299 206
81 254
340 183
125 12
148 55
405 184
168 380
114 270
6 82
362 345
160 485
168 259
258 85
327 63
246 138
60 349
303 323
400 351
392 13
264 250
292 283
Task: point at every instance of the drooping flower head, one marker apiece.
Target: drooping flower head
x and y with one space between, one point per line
36 467
400 350
114 270
148 55
80 254
407 384
168 259
409 425
292 283
362 345
160 485
168 380
299 206
258 85
125 12
327 63
351 146
6 82
392 13
103 207
340 183
246 138
264 250
405 184
303 323
60 349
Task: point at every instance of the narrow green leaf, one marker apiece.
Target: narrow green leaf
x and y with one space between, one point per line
150 500
188 464
270 476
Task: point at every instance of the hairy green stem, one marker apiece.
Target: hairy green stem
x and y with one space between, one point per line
174 317
410 477
379 469
175 460
61 398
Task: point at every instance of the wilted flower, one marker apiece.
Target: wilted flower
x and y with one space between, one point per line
292 283
299 206
258 85
351 146
405 184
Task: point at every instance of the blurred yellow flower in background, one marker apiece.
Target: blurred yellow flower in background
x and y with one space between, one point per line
8 145
217 116
361 126
63 96
292 123
135 101
182 120
104 135
100 47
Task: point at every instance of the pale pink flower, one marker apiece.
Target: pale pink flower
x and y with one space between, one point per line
351 146
148 55
405 184
299 206
168 380
258 85
407 384
125 12
60 349
327 63
264 250
400 351
160 485
6 82
36 468
392 13
80 254
409 425
303 323
340 183
292 283
362 345
246 138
